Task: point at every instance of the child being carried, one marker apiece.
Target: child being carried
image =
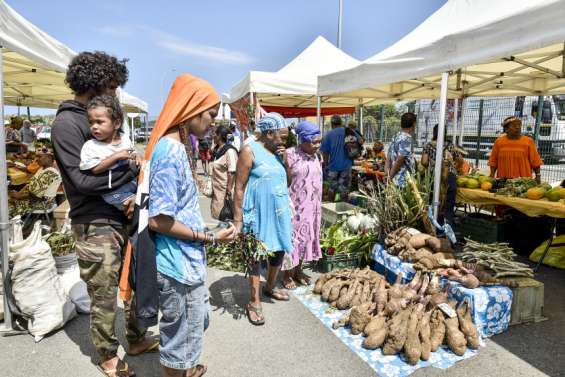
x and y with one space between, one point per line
108 149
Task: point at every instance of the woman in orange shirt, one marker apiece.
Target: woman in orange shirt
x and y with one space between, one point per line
514 155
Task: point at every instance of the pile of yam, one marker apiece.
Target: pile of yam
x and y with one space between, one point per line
399 317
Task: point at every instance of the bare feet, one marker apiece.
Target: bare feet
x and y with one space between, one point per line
288 282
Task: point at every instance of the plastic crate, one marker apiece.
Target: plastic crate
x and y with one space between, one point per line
340 261
334 212
481 228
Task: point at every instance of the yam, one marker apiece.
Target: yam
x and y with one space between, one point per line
468 281
437 329
455 338
326 289
376 323
344 301
341 322
419 240
433 243
380 296
467 326
366 292
359 318
425 336
395 305
375 339
397 288
356 300
412 346
434 286
396 333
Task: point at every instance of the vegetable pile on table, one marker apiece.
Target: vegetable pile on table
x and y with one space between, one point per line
494 258
401 317
476 181
239 255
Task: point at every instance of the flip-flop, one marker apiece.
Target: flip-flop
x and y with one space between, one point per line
258 310
153 347
199 370
276 294
122 370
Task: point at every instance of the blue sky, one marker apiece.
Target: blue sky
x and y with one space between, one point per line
219 40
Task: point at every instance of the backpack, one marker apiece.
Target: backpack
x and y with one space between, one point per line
353 148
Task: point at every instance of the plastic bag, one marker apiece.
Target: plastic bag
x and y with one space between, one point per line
555 256
36 286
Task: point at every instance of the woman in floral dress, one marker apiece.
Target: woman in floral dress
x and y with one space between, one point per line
304 172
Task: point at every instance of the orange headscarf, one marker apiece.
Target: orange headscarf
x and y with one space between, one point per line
189 96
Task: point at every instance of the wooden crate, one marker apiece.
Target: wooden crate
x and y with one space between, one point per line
527 300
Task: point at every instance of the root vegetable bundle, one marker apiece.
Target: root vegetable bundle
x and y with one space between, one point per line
398 317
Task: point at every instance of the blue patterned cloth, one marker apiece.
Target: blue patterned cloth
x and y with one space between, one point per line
385 366
172 192
271 121
266 202
490 305
401 145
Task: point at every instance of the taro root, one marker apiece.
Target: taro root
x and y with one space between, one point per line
425 336
455 338
467 326
412 346
396 333
380 296
359 318
437 329
376 332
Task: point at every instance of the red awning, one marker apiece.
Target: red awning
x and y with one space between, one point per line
299 112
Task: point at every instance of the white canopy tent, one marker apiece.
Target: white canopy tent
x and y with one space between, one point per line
295 85
34 66
32 73
466 48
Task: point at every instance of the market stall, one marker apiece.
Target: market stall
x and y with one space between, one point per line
33 66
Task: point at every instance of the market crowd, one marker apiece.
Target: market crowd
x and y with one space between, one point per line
256 182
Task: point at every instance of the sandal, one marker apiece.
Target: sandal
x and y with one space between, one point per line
276 294
288 283
122 370
152 347
258 311
199 371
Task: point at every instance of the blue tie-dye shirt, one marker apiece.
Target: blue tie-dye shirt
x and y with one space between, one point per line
172 192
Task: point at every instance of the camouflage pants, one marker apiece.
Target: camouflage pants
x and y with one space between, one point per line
99 252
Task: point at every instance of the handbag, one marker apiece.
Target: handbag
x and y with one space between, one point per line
226 213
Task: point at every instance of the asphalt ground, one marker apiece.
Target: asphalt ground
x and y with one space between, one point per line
292 343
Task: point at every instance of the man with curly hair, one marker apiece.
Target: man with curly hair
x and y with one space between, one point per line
98 227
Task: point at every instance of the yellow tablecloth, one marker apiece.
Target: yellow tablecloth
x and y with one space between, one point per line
533 208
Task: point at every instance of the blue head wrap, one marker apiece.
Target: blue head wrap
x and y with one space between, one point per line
271 121
307 131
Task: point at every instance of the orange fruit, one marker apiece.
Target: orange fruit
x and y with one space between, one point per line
486 186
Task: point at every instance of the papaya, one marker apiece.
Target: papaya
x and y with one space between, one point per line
472 183
535 193
33 167
486 186
554 195
485 178
462 182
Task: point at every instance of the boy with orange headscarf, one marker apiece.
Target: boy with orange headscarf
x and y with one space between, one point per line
179 230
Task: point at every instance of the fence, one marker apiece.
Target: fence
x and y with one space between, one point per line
481 118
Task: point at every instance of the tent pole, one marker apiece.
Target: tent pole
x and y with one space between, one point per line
539 112
319 112
462 125
440 140
146 126
455 121
4 216
361 116
339 23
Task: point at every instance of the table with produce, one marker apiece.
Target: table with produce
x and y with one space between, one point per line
522 194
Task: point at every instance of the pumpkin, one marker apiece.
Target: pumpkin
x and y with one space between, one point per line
33 167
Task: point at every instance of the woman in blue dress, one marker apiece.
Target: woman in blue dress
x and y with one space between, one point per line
262 205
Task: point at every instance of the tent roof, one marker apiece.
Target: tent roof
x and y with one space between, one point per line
490 48
295 84
34 65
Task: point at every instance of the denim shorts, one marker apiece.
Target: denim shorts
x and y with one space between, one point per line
184 318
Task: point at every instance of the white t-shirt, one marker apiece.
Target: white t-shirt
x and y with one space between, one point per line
231 156
94 152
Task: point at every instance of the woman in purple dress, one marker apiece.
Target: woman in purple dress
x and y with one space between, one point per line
304 173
